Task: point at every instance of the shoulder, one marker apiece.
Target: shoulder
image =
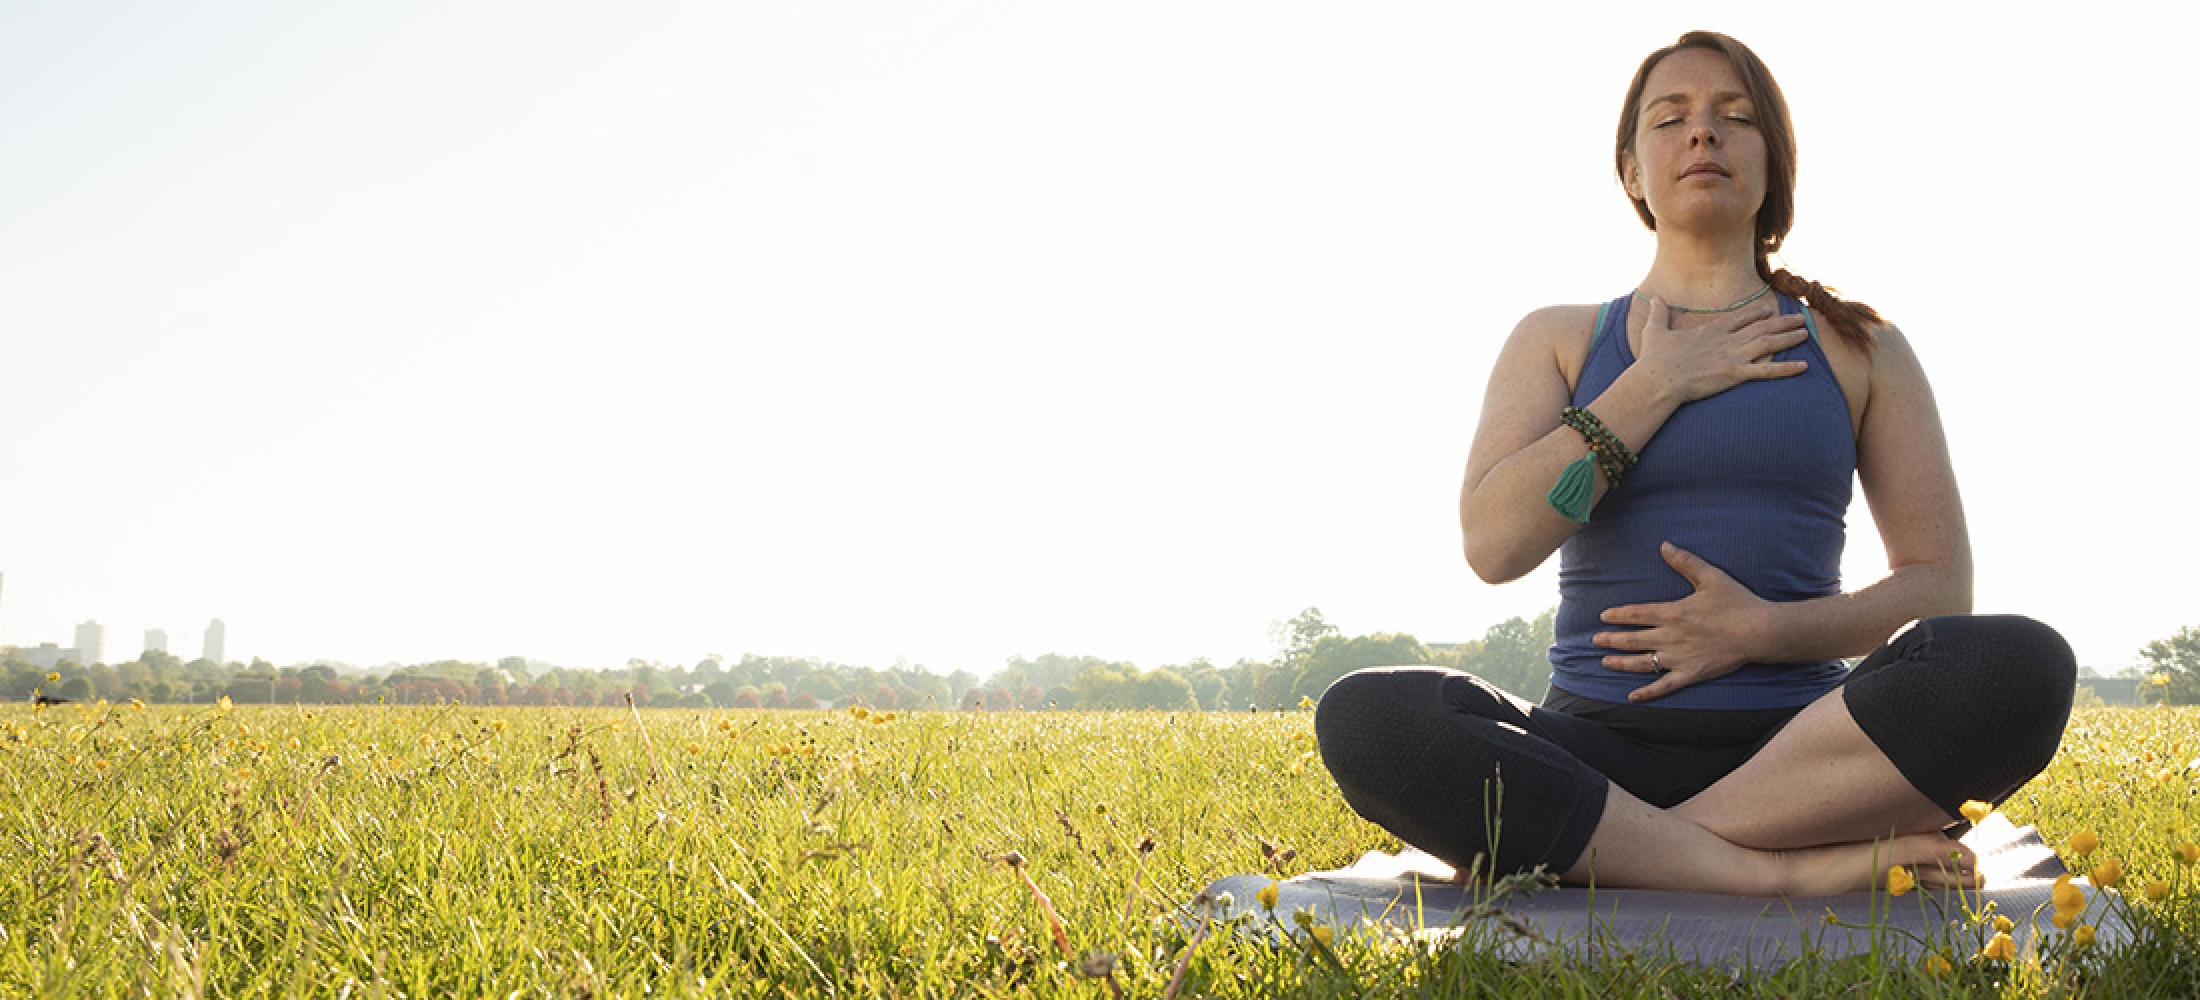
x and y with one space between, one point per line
1560 333
1557 323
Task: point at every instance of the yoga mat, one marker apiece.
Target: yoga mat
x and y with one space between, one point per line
1409 895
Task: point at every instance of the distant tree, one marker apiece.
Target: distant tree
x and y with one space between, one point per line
2172 667
1166 690
746 696
1334 656
1515 655
1208 685
1298 636
774 695
77 688
803 700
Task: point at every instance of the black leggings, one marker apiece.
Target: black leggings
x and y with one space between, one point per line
1966 707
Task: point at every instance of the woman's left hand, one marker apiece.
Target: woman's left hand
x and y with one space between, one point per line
1708 634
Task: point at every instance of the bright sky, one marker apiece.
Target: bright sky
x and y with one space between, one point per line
953 331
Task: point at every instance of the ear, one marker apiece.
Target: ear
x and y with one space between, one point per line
1631 175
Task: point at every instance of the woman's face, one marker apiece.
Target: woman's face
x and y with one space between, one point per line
1698 159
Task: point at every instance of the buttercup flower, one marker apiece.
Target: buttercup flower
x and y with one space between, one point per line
1899 881
2083 842
1323 934
2156 891
53 678
2063 919
1977 811
2003 925
1937 965
225 704
2068 897
2001 947
2108 874
1267 896
2186 853
2083 936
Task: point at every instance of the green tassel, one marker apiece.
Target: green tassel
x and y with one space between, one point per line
1570 497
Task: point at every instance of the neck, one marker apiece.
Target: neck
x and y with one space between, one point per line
1697 273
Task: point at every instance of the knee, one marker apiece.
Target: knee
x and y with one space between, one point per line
2021 661
1357 703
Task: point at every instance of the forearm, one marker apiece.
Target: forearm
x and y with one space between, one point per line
1859 621
1505 518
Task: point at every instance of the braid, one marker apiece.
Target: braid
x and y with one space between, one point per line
1852 320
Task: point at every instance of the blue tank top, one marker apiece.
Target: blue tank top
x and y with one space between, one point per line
1755 480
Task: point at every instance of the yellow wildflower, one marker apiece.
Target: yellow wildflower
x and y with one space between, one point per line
1937 965
2108 874
695 749
2159 680
497 726
54 677
1899 881
1977 811
2003 925
2186 853
2083 842
136 705
725 725
2083 936
2001 948
859 712
2156 891
1306 702
1267 896
225 704
2068 897
2063 919
1323 934
616 726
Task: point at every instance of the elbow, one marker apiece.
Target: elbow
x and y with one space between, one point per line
1494 566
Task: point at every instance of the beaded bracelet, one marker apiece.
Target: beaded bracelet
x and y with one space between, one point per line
1607 453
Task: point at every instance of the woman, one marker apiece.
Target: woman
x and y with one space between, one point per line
1688 449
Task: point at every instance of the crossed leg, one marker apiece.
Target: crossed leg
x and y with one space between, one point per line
1818 810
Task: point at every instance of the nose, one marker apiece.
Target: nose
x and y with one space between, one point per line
1703 135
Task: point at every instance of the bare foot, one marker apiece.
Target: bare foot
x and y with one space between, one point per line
1934 860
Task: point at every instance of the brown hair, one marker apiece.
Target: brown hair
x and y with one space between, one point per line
1853 320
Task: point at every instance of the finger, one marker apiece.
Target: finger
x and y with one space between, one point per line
1758 370
1634 664
1772 324
1636 640
1657 689
1770 344
1634 614
1657 318
1690 566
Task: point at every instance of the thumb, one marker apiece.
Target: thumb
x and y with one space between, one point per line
1659 688
1657 315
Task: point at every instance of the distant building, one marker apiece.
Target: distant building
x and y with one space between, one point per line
91 644
45 655
156 640
217 636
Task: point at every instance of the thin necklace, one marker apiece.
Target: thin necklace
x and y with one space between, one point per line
1753 296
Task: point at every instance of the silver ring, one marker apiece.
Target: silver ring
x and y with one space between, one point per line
1654 664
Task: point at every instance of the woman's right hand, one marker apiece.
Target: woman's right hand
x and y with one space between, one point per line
1731 349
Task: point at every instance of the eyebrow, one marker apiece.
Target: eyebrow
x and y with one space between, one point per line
1721 97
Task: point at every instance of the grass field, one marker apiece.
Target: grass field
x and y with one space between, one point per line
459 851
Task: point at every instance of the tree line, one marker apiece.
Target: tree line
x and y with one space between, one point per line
1311 653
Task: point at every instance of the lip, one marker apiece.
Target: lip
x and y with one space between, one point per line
1705 167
